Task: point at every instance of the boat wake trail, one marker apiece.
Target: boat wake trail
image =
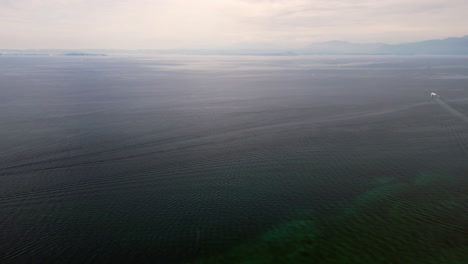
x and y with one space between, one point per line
458 135
452 110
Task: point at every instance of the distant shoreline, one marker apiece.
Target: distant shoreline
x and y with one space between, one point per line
83 54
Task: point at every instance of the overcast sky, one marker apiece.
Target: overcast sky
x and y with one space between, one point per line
155 24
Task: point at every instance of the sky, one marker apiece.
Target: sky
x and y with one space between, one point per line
205 24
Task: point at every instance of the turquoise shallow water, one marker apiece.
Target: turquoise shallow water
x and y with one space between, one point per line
233 159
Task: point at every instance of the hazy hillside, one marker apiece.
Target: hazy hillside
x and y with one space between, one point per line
437 47
448 46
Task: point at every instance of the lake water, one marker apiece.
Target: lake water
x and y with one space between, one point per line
172 159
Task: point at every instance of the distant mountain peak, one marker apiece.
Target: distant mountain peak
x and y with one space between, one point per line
451 45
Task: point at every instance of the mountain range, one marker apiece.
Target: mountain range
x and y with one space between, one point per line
448 46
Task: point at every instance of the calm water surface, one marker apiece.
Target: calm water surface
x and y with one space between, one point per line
226 159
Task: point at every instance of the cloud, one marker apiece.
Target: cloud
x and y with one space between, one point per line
219 23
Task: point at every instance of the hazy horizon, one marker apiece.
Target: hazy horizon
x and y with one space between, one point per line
210 24
237 46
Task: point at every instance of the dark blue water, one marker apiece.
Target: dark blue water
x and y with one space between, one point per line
168 159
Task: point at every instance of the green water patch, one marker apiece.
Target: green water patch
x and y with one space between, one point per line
383 180
422 219
429 178
291 241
